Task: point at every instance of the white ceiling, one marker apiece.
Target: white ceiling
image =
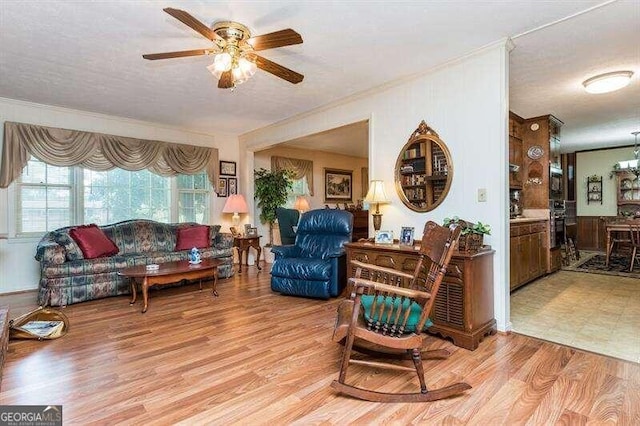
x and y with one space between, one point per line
548 68
87 55
352 139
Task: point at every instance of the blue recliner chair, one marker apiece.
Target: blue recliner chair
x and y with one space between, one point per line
315 266
287 219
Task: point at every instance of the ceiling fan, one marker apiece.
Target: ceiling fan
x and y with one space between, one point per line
235 60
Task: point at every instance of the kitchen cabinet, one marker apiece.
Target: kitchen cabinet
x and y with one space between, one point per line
528 245
515 151
463 309
542 169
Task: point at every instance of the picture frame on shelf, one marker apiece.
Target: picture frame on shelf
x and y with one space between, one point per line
383 237
253 232
222 187
247 227
338 185
406 235
232 186
227 168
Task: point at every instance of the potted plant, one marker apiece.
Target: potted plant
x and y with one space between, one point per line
271 190
472 235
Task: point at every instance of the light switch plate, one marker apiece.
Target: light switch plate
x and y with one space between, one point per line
482 195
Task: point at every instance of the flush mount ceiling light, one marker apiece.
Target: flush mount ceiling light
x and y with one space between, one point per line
609 82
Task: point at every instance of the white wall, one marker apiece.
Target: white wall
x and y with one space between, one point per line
18 269
599 163
466 103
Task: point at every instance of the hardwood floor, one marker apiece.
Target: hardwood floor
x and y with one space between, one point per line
254 357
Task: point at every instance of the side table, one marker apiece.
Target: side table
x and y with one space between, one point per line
242 244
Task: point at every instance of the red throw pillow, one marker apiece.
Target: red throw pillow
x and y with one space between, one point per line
192 236
93 242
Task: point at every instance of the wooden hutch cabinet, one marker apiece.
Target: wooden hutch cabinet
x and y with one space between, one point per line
628 193
463 310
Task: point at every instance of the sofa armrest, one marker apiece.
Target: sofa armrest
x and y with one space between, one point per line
48 251
285 251
223 240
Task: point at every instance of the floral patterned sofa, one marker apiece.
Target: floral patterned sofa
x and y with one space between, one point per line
66 277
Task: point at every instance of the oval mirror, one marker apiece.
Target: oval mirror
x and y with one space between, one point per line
423 170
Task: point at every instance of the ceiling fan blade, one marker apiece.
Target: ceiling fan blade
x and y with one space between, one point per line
226 80
181 54
277 39
192 22
278 70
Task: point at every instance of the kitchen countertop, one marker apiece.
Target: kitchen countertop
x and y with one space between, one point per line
527 219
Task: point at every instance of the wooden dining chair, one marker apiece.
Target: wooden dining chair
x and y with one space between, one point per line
387 314
634 230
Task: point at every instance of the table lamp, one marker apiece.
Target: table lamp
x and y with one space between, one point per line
235 204
376 195
301 204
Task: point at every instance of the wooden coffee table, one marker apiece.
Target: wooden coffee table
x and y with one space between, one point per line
169 272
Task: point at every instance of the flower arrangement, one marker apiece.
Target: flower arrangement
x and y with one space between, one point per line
472 234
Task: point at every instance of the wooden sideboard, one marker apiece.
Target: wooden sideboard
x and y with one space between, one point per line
463 310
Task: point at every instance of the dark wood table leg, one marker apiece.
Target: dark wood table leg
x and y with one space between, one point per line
240 251
145 294
259 250
609 248
134 292
215 281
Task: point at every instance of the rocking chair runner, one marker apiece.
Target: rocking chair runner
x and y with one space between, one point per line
387 313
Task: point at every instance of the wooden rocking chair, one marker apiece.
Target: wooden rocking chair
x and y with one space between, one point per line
387 313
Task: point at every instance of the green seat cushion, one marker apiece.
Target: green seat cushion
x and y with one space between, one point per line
416 310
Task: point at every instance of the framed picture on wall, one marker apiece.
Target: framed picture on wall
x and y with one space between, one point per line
232 186
338 185
228 168
222 187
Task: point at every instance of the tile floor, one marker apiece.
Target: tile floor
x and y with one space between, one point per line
598 313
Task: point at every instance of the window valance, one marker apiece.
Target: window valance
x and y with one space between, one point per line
300 168
97 151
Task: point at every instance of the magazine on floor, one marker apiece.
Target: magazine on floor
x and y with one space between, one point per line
42 328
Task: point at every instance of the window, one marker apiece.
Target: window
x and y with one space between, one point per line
119 195
193 197
52 197
45 197
299 187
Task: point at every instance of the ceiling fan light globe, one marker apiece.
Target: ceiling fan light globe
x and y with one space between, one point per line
216 73
247 66
222 62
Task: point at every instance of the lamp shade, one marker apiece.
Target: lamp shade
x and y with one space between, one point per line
235 204
301 204
376 193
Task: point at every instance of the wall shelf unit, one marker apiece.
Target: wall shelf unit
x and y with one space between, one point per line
594 189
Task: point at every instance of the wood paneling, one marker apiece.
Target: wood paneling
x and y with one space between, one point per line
592 233
254 357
